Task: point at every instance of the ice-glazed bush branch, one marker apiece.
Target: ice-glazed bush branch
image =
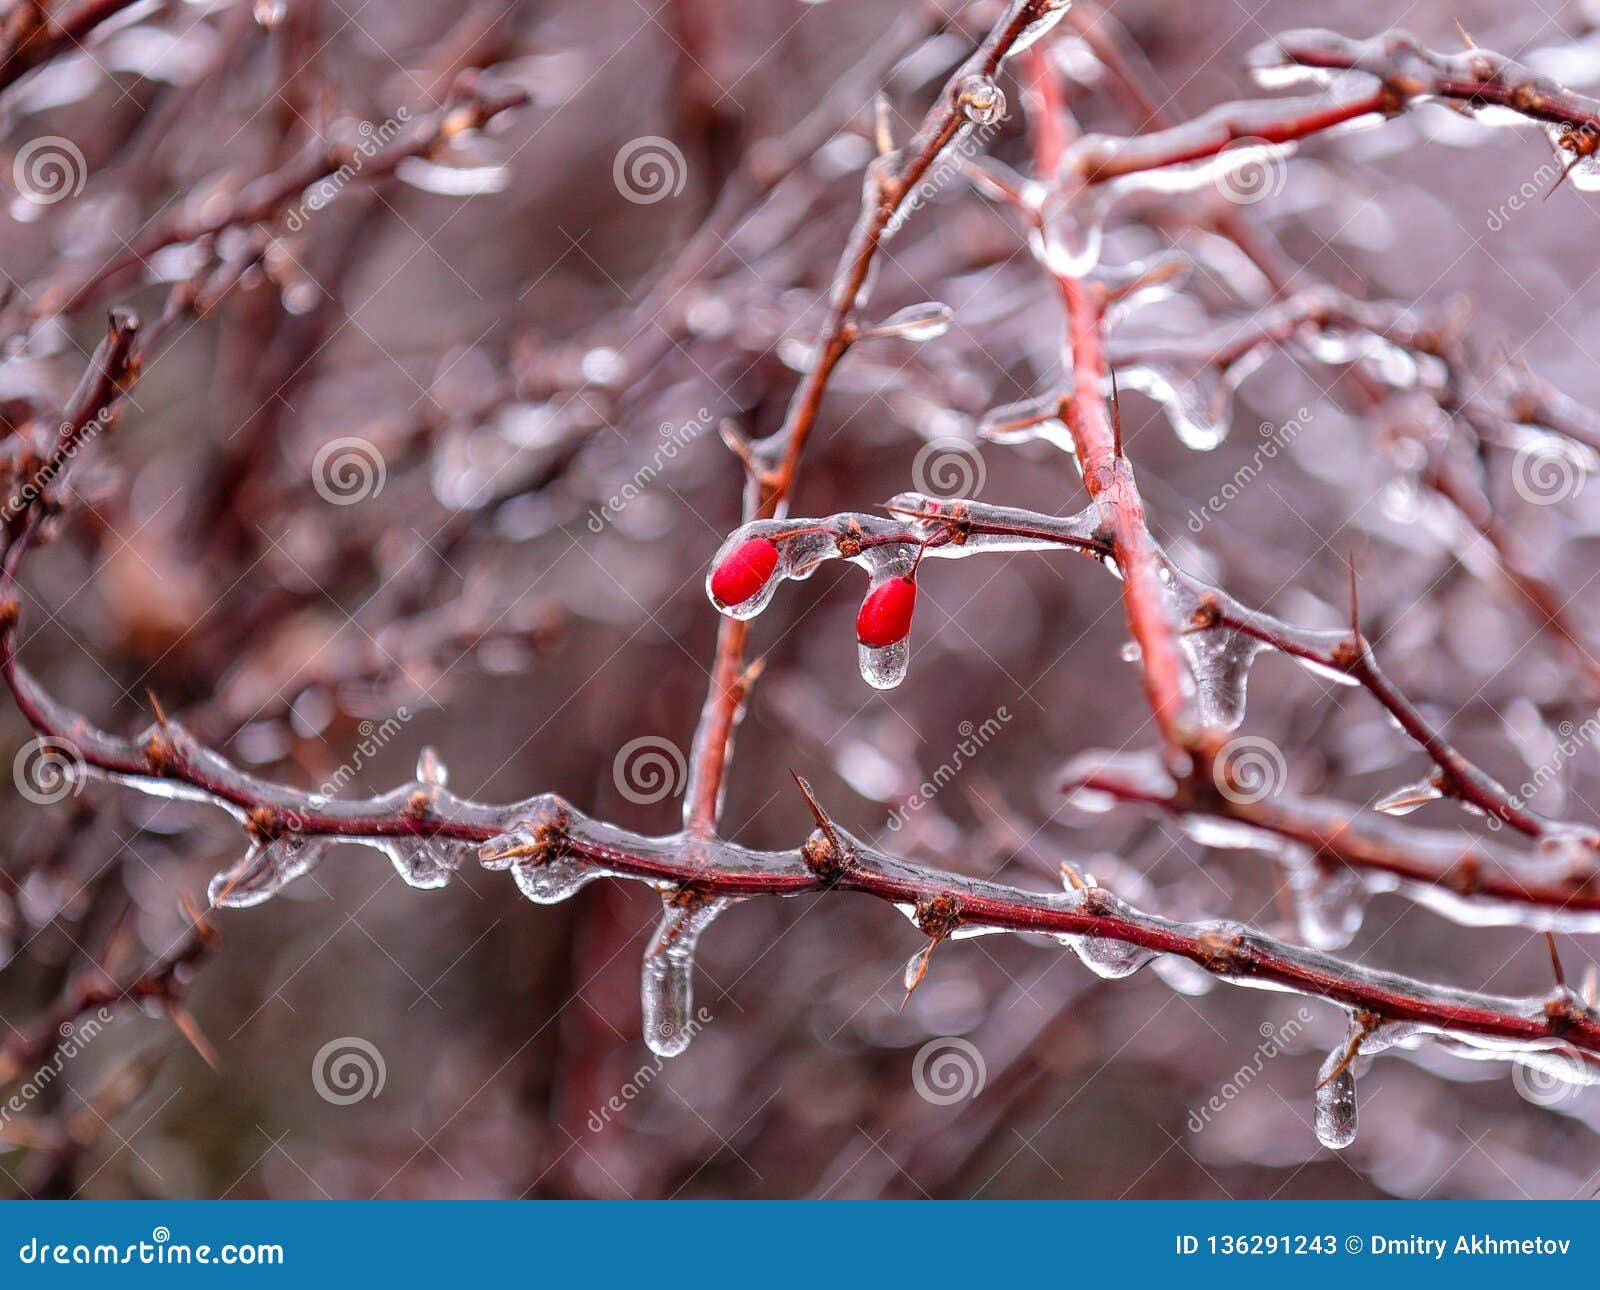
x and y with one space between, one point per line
1194 643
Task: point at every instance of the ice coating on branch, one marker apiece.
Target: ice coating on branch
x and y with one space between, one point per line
1143 282
545 871
1402 801
1196 396
265 870
1041 26
1339 345
1325 672
927 321
1107 958
1336 1095
666 984
888 548
1029 419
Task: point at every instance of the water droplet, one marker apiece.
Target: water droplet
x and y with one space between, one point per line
982 101
1336 1102
1111 959
426 863
884 666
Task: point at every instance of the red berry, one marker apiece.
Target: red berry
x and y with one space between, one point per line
885 616
745 572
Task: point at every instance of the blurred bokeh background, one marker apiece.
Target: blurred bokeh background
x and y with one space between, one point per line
540 359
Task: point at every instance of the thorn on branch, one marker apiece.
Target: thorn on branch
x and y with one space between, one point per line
824 852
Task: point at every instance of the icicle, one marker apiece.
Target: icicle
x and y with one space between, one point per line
1220 658
884 666
1405 800
1197 404
550 882
543 872
666 988
1072 230
927 321
1336 1094
425 863
1111 959
1329 901
1105 957
265 870
1184 976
